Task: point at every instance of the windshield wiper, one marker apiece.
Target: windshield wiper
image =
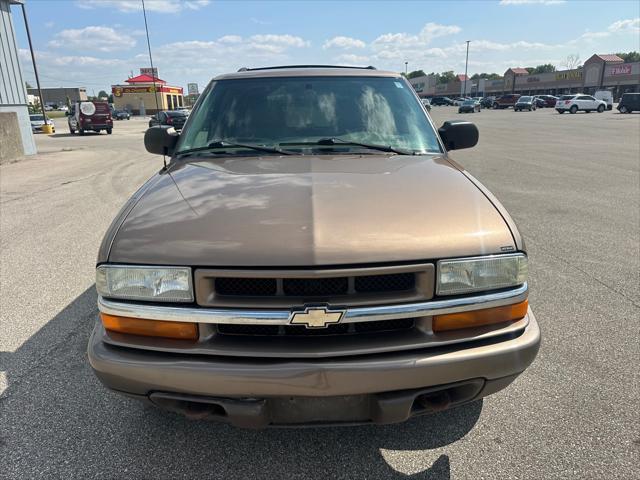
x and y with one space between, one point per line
340 141
225 144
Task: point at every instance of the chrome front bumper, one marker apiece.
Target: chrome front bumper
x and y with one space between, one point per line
492 365
282 316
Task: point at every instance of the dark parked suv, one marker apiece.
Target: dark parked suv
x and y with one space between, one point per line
172 118
441 101
630 102
506 101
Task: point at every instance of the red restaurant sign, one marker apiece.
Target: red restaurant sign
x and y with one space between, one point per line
624 69
119 90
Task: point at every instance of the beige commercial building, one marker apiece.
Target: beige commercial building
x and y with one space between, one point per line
145 94
599 72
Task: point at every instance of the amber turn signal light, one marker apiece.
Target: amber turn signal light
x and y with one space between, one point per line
478 318
150 328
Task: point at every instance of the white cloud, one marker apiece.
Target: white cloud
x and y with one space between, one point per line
631 25
423 38
343 42
281 41
159 6
532 2
621 27
103 39
351 59
230 39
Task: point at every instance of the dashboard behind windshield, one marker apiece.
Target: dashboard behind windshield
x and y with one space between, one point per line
274 110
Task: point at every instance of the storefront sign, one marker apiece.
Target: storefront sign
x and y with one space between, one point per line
192 88
118 91
570 75
152 72
621 70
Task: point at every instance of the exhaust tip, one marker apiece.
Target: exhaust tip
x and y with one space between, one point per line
433 402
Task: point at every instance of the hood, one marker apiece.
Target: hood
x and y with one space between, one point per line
309 210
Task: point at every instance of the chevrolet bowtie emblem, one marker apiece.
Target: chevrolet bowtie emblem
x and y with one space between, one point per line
316 317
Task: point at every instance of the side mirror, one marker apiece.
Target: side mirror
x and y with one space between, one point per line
161 140
457 134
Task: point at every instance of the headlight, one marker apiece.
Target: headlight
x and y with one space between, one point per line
160 284
468 275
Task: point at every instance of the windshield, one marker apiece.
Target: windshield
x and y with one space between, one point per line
273 111
35 118
469 102
524 99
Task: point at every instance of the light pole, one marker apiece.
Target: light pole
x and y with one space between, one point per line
33 59
406 67
466 64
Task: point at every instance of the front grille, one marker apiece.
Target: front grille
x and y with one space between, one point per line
314 287
311 287
300 330
246 287
385 283
358 286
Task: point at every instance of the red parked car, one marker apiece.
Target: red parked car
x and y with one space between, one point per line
506 101
94 116
549 100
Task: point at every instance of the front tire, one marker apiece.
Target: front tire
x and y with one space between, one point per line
573 109
560 111
624 109
81 131
109 130
600 108
496 106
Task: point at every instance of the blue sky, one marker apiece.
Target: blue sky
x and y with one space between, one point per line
97 43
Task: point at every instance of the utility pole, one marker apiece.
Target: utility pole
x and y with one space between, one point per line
33 59
146 28
466 65
406 67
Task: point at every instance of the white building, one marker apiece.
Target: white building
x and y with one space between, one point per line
16 138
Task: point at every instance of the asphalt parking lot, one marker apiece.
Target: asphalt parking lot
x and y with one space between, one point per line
571 182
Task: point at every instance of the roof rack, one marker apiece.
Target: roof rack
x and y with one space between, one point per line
280 67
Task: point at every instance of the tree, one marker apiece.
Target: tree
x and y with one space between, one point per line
445 77
103 94
486 76
546 68
572 61
629 57
416 73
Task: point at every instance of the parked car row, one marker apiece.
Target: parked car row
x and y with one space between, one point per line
572 103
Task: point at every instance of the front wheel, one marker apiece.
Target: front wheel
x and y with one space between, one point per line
560 111
496 106
623 109
109 130
81 131
573 109
600 108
